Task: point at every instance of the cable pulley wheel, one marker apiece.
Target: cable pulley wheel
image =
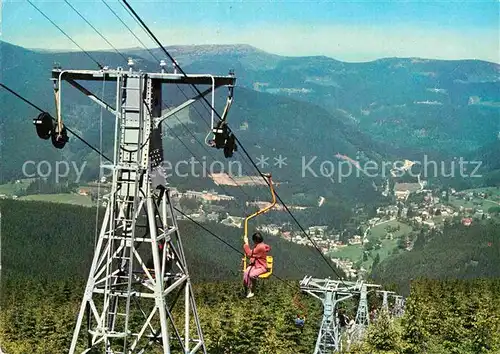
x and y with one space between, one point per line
44 125
59 140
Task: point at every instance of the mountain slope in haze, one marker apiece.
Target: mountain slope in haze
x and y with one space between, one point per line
267 124
449 106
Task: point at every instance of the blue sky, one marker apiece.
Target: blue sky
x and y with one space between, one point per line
346 30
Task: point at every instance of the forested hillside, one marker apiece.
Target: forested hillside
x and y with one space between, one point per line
489 155
49 241
458 252
441 317
47 248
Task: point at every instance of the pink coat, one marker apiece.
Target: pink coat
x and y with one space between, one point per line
258 254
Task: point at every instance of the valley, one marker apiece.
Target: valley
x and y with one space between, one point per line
370 238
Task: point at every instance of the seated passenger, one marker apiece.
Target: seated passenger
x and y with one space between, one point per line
258 261
299 322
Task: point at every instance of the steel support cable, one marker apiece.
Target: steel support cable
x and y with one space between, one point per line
130 30
224 190
95 29
69 37
42 111
223 241
289 212
206 150
244 161
146 28
208 124
140 23
182 91
138 19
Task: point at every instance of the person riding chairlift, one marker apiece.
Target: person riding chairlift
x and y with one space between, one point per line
258 263
299 321
344 320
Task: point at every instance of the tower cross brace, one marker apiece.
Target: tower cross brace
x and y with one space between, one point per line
130 305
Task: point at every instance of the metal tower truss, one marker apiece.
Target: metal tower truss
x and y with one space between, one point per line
385 298
130 305
330 293
399 306
362 314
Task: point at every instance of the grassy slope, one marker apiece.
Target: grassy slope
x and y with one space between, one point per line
62 198
378 232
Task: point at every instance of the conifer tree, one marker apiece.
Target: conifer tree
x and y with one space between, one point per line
415 332
383 335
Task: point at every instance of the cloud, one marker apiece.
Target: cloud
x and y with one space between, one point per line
347 42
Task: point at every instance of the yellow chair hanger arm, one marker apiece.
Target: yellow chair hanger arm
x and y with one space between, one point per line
264 210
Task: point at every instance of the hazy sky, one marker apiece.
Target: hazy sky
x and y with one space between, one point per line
346 30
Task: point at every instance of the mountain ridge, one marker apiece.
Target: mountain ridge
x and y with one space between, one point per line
248 48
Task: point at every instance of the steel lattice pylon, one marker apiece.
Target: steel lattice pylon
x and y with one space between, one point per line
330 293
129 306
362 314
